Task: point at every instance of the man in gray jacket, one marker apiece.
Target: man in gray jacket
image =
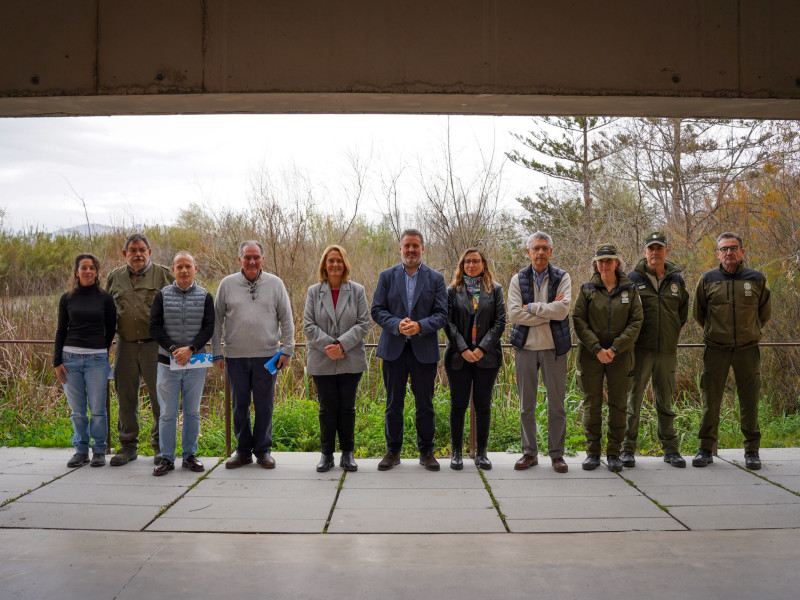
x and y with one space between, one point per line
253 313
538 306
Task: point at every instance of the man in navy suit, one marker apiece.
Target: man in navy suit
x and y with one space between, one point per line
410 305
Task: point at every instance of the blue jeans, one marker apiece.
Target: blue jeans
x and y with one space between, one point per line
251 381
186 384
87 377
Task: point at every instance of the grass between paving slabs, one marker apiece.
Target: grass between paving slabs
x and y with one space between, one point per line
296 424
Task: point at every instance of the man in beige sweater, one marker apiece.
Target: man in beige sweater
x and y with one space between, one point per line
538 307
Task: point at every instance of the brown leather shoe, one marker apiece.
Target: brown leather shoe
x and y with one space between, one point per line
427 460
527 461
390 460
237 460
123 457
559 465
265 460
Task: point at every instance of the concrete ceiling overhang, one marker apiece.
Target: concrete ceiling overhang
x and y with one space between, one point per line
705 58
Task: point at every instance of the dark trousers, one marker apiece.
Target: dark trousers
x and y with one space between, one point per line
249 380
395 378
746 366
480 382
134 362
337 410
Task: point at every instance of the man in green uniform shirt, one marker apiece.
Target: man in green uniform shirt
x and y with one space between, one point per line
665 302
136 355
732 303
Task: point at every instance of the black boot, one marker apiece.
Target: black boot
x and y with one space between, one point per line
456 462
325 463
347 462
481 460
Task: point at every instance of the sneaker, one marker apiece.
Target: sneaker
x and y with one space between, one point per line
78 460
627 459
164 467
123 457
675 459
614 463
98 459
703 458
752 461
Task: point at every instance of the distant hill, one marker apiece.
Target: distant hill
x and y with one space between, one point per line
96 228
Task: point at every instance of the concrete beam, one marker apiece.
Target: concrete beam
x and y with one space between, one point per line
672 57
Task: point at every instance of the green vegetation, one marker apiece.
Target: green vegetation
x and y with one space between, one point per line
296 427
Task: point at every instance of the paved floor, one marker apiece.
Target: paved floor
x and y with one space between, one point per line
724 530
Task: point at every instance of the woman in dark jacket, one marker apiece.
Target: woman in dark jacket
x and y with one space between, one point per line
475 324
87 320
607 318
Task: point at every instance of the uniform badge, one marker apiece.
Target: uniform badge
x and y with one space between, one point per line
642 286
748 288
624 297
674 288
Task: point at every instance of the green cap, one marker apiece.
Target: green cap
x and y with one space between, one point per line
657 237
605 251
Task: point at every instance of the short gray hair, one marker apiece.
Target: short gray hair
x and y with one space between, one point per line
729 235
413 233
250 243
539 235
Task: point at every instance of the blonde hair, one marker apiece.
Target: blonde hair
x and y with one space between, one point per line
458 275
322 272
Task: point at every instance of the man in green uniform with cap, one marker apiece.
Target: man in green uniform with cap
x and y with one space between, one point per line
665 302
732 303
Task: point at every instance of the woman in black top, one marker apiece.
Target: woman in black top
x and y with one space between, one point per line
475 324
87 320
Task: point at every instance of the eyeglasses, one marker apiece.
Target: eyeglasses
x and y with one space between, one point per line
540 249
726 249
473 261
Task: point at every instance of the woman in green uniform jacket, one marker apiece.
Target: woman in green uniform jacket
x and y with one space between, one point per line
607 318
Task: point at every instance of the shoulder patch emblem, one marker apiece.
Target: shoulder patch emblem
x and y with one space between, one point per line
674 288
748 285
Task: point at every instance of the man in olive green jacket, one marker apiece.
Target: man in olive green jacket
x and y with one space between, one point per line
665 302
136 354
732 303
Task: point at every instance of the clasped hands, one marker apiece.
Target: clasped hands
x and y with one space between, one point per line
606 355
409 327
472 355
334 351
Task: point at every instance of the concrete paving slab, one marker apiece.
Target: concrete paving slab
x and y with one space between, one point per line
524 488
413 476
257 488
791 482
117 517
665 523
652 471
281 471
187 566
210 507
504 469
21 482
413 499
597 507
720 495
782 467
423 520
772 516
139 472
780 454
61 492
249 525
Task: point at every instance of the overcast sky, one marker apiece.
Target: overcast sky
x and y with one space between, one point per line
143 170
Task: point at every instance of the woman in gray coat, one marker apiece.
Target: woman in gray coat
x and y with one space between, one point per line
335 321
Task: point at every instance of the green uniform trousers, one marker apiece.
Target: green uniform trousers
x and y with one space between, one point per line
618 375
746 365
660 366
132 363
